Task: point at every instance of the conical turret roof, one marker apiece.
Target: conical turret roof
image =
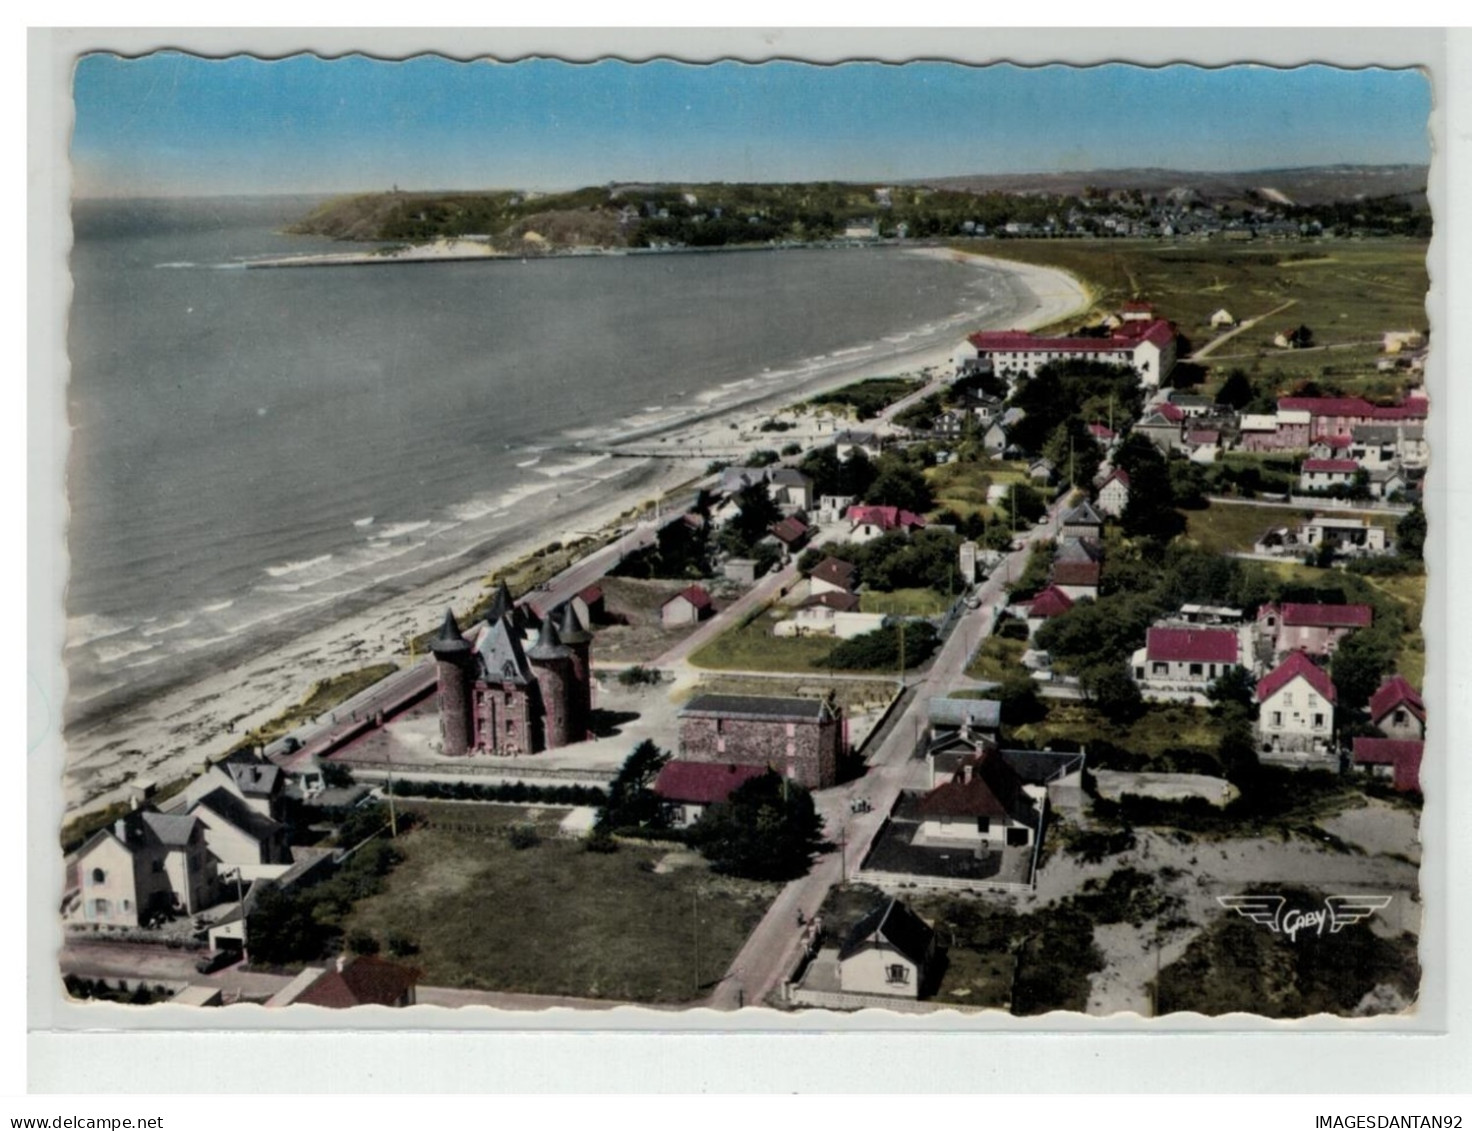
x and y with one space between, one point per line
449 639
501 605
549 645
570 627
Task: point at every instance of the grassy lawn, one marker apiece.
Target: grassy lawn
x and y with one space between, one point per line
905 602
752 647
962 487
1344 291
997 659
1229 528
554 918
1162 727
866 399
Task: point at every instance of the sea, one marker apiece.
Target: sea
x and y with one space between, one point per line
254 449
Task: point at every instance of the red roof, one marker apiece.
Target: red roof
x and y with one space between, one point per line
835 571
1136 304
695 595
591 595
1118 473
702 783
1414 408
1124 337
1051 602
1327 616
1296 665
840 602
1336 442
789 530
1330 465
364 980
1392 693
984 786
1202 436
1327 406
1099 432
1402 753
886 518
1075 573
1194 645
1174 413
1157 331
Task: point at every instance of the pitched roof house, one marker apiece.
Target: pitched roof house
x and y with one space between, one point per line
832 575
889 951
145 863
1398 710
1185 658
984 802
1315 629
1296 710
361 980
689 606
690 787
1398 759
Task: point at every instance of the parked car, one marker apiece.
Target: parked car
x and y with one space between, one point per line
212 960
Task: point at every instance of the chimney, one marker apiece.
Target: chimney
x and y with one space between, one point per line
342 963
120 827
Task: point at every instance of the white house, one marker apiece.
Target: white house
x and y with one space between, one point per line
1322 474
1114 493
888 952
1296 710
984 804
143 864
1185 659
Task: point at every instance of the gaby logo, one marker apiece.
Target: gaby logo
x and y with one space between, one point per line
1338 912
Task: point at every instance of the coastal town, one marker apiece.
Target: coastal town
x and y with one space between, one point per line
994 684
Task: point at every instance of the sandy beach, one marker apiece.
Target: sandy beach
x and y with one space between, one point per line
167 735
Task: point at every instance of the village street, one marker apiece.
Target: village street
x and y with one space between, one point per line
772 948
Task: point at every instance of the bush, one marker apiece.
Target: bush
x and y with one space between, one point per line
637 676
600 841
361 942
523 836
401 946
880 649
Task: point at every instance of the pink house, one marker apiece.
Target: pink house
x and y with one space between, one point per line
1397 709
1315 629
1398 759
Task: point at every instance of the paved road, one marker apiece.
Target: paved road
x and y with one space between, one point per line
1212 346
771 951
758 595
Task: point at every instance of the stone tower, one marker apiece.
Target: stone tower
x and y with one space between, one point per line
580 641
454 665
552 661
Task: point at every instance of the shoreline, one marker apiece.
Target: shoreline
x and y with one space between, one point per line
166 731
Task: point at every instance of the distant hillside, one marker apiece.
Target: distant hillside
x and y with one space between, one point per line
1322 184
1349 199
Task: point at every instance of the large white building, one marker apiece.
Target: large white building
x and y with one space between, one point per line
1295 717
1147 347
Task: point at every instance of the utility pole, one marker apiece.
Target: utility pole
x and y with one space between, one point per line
393 815
244 919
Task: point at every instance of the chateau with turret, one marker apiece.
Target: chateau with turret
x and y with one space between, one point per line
498 697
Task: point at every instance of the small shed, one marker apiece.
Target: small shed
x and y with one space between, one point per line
690 605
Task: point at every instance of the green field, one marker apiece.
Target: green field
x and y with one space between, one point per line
1162 727
962 487
1232 528
905 602
997 659
1345 291
752 647
554 918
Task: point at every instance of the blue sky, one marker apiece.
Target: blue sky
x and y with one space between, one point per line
171 124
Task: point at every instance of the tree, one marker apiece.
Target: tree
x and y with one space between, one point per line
1237 753
1410 534
880 650
1234 688
632 802
900 485
1109 687
1359 662
1020 702
749 527
282 928
768 829
1236 390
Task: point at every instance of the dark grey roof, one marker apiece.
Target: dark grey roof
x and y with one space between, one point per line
1038 767
571 628
500 656
1083 515
948 712
1079 550
449 640
171 831
757 707
789 477
895 925
254 779
549 645
501 604
226 805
